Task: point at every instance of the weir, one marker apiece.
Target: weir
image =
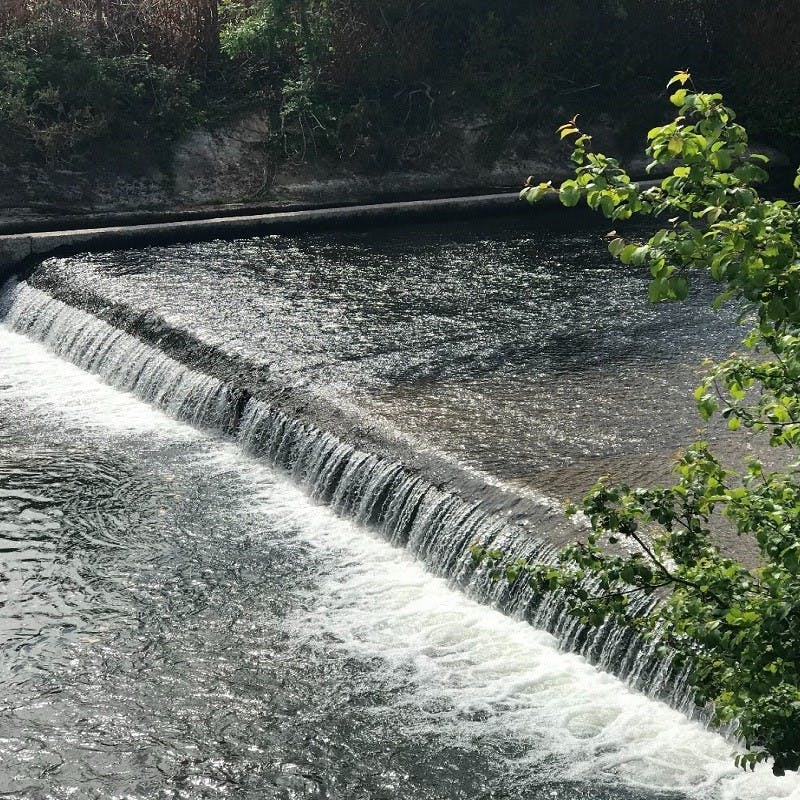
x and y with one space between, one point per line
432 520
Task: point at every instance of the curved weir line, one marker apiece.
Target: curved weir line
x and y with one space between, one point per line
470 676
119 359
436 525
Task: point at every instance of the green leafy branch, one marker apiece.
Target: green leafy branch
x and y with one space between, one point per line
736 626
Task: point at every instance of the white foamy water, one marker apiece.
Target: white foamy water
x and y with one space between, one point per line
380 602
475 673
48 388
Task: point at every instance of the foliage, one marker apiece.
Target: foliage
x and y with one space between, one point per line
291 40
61 92
387 83
381 79
736 625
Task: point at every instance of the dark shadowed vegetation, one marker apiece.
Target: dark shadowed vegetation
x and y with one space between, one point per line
377 82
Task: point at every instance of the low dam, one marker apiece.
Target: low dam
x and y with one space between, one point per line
238 489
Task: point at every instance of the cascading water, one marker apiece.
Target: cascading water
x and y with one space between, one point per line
181 621
438 527
119 359
435 524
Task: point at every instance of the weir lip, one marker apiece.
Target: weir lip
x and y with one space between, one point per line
22 249
415 500
246 379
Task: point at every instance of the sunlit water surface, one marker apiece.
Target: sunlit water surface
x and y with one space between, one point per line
518 350
181 622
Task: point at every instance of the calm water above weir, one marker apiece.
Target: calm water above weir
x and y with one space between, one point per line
182 621
525 354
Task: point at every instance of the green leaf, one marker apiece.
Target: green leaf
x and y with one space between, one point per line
535 193
678 98
607 205
639 255
711 213
569 193
681 76
658 237
616 246
658 290
776 309
721 160
626 254
679 288
707 406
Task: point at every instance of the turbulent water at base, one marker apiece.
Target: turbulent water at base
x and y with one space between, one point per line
247 612
439 527
181 621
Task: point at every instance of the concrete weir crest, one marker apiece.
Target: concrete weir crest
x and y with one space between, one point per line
19 249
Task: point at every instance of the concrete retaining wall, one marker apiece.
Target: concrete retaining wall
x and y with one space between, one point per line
19 250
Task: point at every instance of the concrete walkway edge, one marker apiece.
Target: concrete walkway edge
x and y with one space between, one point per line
22 249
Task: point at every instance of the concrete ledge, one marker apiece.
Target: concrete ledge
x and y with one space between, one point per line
80 219
20 250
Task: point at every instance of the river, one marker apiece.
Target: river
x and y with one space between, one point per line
185 618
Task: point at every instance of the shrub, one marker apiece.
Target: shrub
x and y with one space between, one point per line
735 625
61 91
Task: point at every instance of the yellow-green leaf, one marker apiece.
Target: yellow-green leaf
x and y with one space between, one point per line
681 76
678 97
616 246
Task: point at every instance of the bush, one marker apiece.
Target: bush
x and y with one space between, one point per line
735 625
62 92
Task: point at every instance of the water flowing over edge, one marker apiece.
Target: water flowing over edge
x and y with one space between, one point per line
435 524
